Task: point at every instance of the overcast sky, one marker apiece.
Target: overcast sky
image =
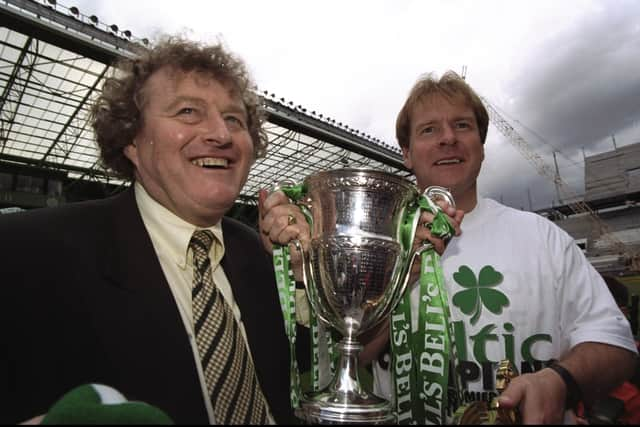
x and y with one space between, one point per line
564 74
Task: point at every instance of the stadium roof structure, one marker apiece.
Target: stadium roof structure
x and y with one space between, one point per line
53 61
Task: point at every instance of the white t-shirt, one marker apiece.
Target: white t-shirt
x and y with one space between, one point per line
520 288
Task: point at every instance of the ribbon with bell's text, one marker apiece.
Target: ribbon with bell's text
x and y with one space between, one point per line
420 361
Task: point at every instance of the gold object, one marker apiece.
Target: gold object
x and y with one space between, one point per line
291 219
482 413
504 374
474 413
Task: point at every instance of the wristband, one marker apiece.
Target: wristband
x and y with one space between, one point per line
574 394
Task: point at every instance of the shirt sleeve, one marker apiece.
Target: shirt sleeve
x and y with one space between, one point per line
588 311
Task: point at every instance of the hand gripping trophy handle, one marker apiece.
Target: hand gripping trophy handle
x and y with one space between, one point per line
431 195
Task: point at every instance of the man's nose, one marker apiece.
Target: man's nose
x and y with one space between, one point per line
215 129
448 135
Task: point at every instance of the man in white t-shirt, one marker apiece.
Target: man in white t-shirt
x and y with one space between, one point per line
518 286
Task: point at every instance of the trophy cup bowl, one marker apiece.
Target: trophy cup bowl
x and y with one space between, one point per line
355 272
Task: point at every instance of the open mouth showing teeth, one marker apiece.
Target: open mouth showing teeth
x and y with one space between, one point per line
211 162
449 162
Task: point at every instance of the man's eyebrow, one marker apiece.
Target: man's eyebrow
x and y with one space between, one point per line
469 117
425 122
182 99
236 108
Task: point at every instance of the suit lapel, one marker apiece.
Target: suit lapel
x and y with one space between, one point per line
233 269
130 259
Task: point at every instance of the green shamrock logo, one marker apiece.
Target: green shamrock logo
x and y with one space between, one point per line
479 292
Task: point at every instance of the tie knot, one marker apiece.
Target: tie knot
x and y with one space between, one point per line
201 242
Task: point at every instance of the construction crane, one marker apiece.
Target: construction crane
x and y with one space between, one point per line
574 202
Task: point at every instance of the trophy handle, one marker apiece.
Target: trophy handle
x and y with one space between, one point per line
280 184
431 194
309 282
435 192
307 274
405 281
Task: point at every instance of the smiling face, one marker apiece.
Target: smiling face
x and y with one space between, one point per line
194 151
445 147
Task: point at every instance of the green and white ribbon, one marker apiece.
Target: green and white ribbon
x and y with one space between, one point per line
420 361
315 350
402 364
286 291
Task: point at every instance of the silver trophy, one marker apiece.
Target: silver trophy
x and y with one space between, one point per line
355 272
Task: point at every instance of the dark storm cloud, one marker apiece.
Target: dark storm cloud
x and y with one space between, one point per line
580 86
585 84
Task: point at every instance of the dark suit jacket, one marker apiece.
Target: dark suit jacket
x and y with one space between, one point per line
83 300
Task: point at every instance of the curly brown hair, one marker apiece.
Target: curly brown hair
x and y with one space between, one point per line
450 86
116 115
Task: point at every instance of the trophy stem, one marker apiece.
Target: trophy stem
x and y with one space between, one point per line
344 401
347 381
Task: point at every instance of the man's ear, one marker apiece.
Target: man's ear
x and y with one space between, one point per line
406 158
131 152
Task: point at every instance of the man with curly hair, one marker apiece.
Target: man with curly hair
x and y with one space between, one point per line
122 291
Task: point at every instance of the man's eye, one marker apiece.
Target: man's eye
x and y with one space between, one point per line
186 110
428 130
235 121
463 125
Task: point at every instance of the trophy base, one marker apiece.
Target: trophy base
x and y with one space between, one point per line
330 408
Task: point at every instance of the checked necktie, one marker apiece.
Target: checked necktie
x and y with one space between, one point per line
228 368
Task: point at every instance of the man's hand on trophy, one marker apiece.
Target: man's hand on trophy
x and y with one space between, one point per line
423 233
281 222
539 396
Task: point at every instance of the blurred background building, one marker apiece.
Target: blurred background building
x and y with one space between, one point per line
611 237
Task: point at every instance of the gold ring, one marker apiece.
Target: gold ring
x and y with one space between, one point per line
291 219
